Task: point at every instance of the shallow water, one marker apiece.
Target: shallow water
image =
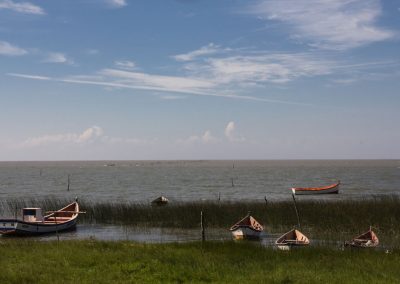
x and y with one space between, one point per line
141 181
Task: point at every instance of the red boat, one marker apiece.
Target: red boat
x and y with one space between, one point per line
333 188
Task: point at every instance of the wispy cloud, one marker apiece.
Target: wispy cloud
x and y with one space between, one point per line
117 3
21 7
228 76
88 135
94 134
262 68
209 49
205 138
58 57
329 24
125 64
230 133
8 49
35 77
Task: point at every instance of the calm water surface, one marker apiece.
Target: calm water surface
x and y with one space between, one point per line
142 181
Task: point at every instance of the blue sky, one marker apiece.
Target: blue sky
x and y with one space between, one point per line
200 79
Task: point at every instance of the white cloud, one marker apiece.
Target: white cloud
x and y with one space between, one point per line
328 24
230 133
211 48
58 57
22 7
35 77
262 68
87 136
205 138
125 64
8 49
117 3
159 81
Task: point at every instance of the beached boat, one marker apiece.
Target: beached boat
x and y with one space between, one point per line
247 228
162 200
34 223
291 239
366 240
333 188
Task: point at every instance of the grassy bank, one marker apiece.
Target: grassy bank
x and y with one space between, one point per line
334 220
123 262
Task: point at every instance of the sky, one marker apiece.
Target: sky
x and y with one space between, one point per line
199 79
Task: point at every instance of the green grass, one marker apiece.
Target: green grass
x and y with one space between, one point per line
215 262
333 220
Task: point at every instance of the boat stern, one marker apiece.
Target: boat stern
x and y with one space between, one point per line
8 226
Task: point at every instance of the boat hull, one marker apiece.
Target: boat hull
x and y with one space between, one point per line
245 233
290 246
306 191
20 228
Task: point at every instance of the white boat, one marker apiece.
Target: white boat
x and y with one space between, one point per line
247 228
333 188
162 200
34 223
290 239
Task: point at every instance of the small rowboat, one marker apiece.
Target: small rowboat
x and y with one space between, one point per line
162 200
333 188
34 223
367 240
247 228
292 238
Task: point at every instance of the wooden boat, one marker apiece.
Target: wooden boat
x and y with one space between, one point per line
162 200
366 240
333 188
247 228
292 238
34 223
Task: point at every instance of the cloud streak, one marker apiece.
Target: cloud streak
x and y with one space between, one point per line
117 3
22 7
104 83
8 49
94 134
337 25
209 49
58 57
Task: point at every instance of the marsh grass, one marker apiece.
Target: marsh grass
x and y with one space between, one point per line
212 262
328 220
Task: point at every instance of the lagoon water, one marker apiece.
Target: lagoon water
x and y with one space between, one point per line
141 181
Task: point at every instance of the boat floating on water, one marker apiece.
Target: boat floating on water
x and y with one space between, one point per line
247 228
34 223
333 188
162 200
366 240
293 238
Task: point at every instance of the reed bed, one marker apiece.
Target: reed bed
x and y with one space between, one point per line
328 220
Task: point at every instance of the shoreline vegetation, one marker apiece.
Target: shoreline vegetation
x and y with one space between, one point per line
88 261
336 221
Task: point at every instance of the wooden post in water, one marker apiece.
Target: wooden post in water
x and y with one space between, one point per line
266 200
202 225
232 182
68 183
297 212
219 196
